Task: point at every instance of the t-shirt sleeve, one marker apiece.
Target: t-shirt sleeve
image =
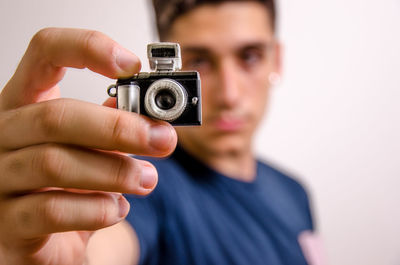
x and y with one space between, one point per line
290 199
301 196
302 202
145 217
309 211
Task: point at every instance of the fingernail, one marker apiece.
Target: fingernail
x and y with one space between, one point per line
123 206
161 137
148 178
127 61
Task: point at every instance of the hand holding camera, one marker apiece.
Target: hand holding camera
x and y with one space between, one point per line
60 177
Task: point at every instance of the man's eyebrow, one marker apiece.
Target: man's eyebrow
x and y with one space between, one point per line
259 45
255 45
194 49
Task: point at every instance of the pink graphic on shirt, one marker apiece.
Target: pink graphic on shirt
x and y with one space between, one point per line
312 247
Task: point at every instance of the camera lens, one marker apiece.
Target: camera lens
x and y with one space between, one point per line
165 99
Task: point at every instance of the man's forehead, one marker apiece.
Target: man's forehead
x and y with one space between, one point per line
236 21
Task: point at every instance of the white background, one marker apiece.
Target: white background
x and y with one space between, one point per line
333 121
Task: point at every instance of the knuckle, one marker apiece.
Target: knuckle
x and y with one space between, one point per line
48 161
13 165
41 37
91 40
40 41
25 218
103 212
50 211
123 126
34 216
122 170
6 132
118 127
102 218
51 117
141 132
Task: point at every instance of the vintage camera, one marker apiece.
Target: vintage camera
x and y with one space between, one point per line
166 93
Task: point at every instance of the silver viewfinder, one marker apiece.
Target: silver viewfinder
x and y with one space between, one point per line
164 56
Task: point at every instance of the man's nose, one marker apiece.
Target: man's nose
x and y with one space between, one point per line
228 87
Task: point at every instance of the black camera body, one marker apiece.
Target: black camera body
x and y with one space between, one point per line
165 94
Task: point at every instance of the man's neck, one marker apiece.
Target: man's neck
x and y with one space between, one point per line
240 165
237 166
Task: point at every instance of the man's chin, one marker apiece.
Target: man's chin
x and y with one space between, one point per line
224 147
212 143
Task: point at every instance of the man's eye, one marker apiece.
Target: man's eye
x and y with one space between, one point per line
251 57
197 63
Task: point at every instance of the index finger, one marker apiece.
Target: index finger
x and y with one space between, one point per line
68 121
53 49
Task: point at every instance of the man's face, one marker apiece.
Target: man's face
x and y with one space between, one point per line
233 48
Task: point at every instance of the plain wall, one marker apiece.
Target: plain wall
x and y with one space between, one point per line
333 121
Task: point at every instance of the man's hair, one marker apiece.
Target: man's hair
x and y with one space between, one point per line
167 11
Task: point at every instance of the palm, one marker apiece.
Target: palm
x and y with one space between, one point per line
61 249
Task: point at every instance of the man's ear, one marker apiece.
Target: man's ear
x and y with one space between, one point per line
278 58
275 75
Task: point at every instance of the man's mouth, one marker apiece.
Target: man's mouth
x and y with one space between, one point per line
228 123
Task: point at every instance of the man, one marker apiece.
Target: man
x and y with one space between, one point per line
215 203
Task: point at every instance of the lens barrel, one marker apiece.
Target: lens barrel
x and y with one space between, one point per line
165 99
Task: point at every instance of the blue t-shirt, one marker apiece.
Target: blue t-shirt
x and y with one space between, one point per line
199 216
